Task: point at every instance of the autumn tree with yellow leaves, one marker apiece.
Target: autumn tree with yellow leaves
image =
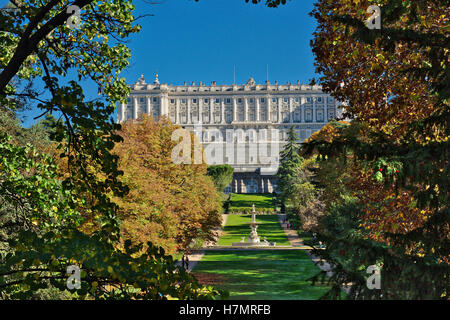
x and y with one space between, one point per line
172 205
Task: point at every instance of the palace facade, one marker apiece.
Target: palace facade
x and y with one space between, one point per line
241 125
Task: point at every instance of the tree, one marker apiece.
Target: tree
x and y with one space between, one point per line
395 151
222 175
180 207
289 171
38 45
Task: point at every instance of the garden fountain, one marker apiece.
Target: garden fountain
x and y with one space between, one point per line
253 239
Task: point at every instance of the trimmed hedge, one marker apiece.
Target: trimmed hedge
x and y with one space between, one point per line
247 210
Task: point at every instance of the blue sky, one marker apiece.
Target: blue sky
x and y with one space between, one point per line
190 41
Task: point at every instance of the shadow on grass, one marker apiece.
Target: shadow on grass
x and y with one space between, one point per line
262 274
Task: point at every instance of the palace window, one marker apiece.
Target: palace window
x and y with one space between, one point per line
319 99
229 137
274 99
239 100
308 115
141 111
239 135
206 100
141 100
172 101
262 100
263 116
297 99
217 100
228 100
251 135
263 135
251 100
286 99
155 99
308 99
319 116
183 100
194 100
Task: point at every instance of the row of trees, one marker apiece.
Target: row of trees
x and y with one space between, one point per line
381 180
44 227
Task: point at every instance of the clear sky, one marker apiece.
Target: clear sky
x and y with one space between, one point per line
190 41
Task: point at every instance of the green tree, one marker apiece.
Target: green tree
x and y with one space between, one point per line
222 175
38 45
395 178
289 172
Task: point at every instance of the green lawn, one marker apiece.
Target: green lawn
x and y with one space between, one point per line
263 200
238 226
260 274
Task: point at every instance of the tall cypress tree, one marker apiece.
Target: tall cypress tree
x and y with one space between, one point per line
289 171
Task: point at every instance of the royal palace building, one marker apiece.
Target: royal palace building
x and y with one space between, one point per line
241 125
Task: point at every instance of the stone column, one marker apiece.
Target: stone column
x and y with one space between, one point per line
257 109
261 185
314 109
291 116
188 103
302 110
211 110
279 109
200 110
121 113
234 109
177 108
135 108
164 103
269 112
245 109
243 186
222 109
149 106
